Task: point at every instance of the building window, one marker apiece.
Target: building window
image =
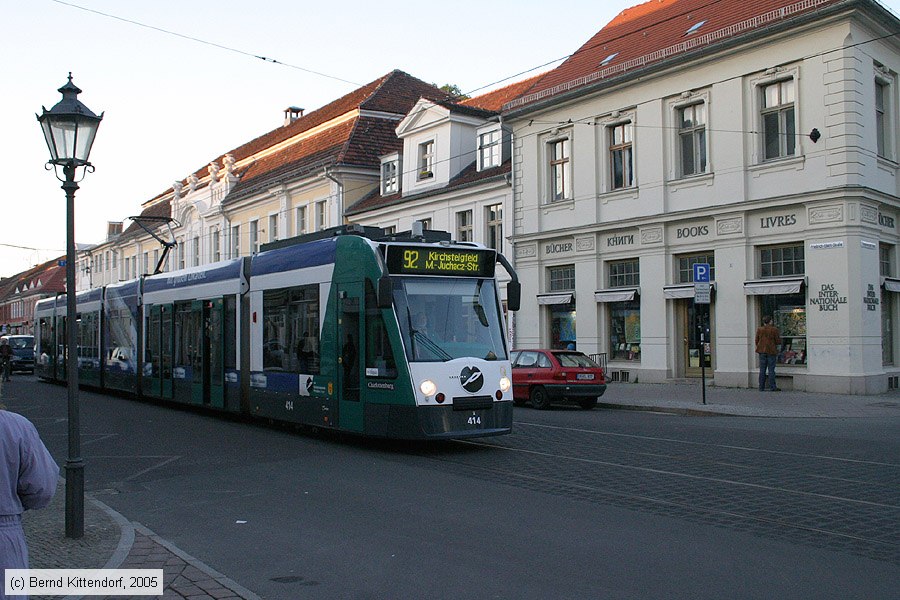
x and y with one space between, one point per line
880 124
155 259
426 160
235 241
216 248
886 268
181 263
321 221
560 170
692 139
620 156
390 184
625 273
273 228
781 261
464 226
779 128
489 149
562 316
625 317
389 230
254 237
686 267
562 279
300 221
115 259
494 220
884 112
195 258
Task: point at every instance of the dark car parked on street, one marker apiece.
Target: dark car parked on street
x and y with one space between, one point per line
544 376
22 352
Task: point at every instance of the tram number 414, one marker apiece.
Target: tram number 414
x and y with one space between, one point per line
474 420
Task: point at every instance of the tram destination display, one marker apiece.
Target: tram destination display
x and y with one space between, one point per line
421 260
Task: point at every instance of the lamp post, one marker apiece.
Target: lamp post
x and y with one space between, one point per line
69 130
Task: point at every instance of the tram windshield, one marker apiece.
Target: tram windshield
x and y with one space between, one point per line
443 318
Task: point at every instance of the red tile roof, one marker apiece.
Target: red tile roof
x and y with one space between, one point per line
359 141
657 30
494 100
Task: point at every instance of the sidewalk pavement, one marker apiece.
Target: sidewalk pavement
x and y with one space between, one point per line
111 541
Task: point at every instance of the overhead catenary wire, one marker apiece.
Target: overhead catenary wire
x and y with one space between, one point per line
588 120
205 42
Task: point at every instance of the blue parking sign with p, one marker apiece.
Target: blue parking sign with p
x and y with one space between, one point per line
701 272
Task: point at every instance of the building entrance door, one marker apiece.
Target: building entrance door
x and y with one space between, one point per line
695 319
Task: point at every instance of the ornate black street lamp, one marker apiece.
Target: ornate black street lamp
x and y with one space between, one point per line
69 129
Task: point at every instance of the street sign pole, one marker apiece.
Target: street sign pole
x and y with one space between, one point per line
702 363
701 296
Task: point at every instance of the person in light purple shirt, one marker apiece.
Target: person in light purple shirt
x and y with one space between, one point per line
28 476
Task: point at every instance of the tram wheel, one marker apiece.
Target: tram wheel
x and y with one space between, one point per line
539 398
518 402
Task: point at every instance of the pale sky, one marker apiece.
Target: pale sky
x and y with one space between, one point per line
173 104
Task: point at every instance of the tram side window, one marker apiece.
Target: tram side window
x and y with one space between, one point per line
121 351
46 341
379 354
88 342
183 349
291 329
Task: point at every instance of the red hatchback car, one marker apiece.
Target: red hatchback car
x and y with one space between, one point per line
543 376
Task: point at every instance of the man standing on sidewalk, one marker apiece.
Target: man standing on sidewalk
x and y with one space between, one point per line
767 342
28 476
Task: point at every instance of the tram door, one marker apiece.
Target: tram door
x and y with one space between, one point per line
55 348
207 385
159 350
62 343
351 300
694 320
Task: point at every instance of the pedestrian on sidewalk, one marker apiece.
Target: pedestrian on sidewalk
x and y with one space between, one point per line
5 358
768 341
28 476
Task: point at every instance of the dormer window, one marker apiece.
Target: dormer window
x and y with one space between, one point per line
390 174
426 160
489 149
608 59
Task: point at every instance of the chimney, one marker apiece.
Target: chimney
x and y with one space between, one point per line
113 228
291 114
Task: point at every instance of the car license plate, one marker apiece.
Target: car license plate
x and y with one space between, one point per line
585 376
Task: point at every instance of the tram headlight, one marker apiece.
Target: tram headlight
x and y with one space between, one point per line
428 387
505 384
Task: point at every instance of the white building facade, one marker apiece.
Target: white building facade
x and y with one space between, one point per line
764 145
452 174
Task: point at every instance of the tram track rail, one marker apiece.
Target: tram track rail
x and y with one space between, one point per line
823 501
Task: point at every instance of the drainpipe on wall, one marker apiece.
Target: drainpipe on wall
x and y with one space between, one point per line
340 198
510 217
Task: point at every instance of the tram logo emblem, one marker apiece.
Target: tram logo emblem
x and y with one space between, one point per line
471 379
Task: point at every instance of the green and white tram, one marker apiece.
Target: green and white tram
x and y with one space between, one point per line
399 337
